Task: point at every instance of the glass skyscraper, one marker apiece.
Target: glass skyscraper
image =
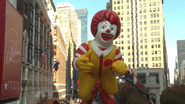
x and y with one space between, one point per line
83 16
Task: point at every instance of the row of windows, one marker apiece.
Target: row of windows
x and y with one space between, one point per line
156 64
137 65
145 65
156 58
150 3
141 41
145 53
141 35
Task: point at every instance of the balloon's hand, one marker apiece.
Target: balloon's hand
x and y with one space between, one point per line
119 67
83 62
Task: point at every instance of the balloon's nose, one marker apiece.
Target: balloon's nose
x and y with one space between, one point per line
108 30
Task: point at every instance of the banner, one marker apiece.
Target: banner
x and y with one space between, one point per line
11 54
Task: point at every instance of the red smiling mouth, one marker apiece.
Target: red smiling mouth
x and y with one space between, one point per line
106 37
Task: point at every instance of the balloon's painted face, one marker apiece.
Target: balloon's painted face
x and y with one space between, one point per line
106 32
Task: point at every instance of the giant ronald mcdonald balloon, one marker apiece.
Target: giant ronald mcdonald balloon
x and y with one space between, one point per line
99 59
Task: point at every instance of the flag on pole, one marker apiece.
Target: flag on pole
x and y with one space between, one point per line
56 66
43 54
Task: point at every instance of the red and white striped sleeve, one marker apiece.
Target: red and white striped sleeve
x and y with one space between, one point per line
82 49
118 55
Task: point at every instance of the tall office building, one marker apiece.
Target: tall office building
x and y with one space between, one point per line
59 74
71 26
66 10
181 56
83 16
176 72
141 40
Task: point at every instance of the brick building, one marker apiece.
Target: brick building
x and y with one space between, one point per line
36 73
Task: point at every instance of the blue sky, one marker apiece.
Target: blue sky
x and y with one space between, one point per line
174 12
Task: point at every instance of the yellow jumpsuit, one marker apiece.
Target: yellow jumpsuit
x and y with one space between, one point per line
102 70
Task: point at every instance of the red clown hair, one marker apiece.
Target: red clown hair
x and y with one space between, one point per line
105 15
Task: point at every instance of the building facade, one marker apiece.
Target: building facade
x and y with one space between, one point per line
182 69
176 72
180 55
83 16
65 8
143 73
36 84
71 27
59 75
141 39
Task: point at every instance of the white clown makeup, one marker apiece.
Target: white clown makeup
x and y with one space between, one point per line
105 34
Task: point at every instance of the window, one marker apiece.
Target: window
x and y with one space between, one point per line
145 28
141 41
130 77
144 16
140 17
128 59
25 7
152 58
158 39
146 59
157 15
154 15
144 5
159 64
30 55
141 77
141 52
146 65
118 2
141 47
153 65
154 9
128 47
156 74
154 3
156 52
144 10
145 46
156 58
128 29
128 53
145 52
140 11
31 16
152 52
141 59
159 58
151 22
30 36
154 21
145 22
159 52
151 33
140 28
